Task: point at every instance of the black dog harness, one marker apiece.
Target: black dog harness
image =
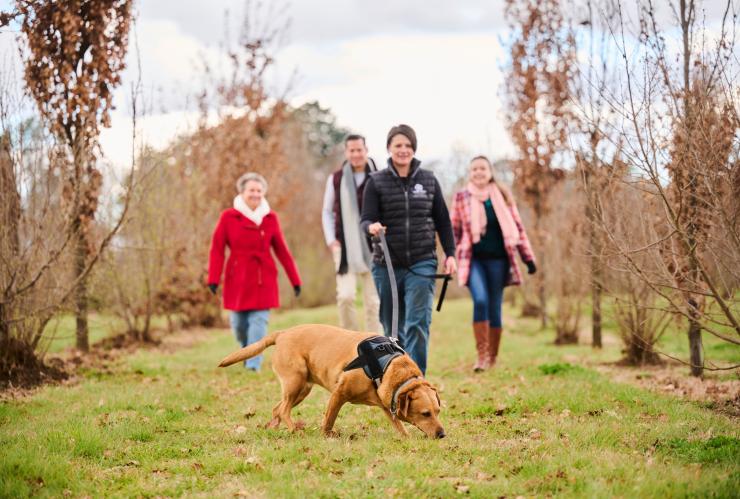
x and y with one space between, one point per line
373 356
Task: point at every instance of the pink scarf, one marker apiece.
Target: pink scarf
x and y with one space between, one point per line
503 215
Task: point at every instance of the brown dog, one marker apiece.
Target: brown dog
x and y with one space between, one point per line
316 353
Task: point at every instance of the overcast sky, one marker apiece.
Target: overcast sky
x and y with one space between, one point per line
433 64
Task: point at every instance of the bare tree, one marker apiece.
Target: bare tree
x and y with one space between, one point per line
587 139
537 94
676 118
74 54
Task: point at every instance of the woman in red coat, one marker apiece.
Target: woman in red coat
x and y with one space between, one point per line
250 229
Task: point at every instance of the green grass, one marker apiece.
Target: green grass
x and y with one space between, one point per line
539 424
60 332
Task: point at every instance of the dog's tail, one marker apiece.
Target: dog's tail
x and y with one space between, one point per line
250 351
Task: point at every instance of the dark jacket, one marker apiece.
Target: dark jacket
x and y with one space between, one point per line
412 210
338 222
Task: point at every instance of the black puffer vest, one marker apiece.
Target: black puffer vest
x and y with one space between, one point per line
407 214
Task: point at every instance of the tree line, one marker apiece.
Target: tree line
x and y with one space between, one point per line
625 126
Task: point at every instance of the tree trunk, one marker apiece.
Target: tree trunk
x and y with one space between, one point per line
4 325
595 309
595 279
540 276
541 293
9 237
696 354
82 332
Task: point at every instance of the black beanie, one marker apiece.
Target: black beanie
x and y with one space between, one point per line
404 130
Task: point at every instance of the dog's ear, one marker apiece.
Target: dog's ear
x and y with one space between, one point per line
436 393
406 402
439 402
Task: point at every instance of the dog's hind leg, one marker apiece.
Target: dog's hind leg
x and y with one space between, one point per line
275 421
304 393
279 408
295 389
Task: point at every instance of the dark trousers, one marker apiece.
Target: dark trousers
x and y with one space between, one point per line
415 298
486 283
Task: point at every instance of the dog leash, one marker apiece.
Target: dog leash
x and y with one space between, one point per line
394 287
392 283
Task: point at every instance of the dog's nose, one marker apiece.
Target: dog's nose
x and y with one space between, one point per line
441 433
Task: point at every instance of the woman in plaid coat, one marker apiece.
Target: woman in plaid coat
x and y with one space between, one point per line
488 232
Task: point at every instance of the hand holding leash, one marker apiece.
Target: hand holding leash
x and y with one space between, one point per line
450 265
374 228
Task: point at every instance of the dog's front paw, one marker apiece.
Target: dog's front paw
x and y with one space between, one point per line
331 434
273 423
299 425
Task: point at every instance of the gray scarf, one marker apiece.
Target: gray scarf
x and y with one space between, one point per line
358 252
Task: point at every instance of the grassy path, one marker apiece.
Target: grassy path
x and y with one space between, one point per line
173 424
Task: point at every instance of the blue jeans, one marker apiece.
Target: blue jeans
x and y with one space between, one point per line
486 283
250 326
415 297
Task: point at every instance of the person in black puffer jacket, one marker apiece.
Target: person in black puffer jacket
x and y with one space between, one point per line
406 202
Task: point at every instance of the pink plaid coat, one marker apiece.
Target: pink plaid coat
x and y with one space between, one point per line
460 217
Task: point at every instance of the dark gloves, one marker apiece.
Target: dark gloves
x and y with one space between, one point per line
531 267
297 290
213 288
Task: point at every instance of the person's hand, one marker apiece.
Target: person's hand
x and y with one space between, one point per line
374 228
531 267
213 288
297 290
335 245
450 265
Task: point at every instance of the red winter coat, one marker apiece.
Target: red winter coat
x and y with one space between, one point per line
251 280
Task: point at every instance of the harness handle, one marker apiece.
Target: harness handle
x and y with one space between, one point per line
394 291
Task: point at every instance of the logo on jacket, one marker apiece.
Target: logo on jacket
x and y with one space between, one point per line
418 191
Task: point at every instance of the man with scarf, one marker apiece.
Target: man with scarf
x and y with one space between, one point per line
349 246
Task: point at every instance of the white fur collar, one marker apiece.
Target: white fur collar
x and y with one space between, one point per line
256 215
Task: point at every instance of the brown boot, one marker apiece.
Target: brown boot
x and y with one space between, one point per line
494 340
480 329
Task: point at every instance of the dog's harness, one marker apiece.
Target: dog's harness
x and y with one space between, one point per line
373 356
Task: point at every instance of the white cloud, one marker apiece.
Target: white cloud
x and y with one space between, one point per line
445 86
155 130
